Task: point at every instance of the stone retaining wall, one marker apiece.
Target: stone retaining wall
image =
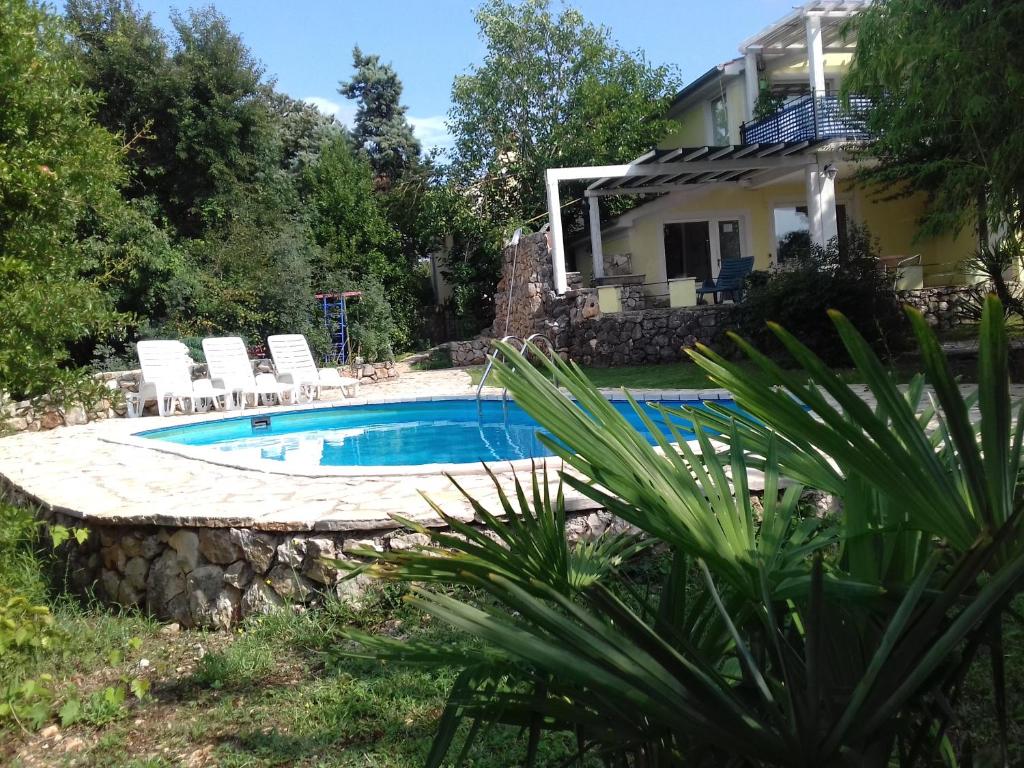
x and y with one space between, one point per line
650 336
463 353
943 307
215 577
42 414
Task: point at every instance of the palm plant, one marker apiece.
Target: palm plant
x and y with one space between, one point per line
777 636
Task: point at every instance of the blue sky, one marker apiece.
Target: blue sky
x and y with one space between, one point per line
306 45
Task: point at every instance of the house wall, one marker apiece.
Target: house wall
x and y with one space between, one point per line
695 122
893 222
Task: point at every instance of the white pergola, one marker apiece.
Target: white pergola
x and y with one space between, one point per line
750 166
806 34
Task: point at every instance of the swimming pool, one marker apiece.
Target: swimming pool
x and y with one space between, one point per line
446 431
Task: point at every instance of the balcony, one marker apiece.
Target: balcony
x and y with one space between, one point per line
811 118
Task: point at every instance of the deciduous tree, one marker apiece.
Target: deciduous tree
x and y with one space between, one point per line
947 80
59 170
552 90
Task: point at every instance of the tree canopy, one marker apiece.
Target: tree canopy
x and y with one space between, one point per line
947 81
381 129
59 175
553 90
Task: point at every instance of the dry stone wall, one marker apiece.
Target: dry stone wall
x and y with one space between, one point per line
651 336
215 577
943 307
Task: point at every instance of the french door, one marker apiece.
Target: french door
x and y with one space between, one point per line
696 248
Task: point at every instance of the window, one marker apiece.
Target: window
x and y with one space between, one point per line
792 231
719 122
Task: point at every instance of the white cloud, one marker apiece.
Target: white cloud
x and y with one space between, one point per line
345 113
431 131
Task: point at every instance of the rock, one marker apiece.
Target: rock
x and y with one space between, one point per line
238 574
289 584
291 552
259 598
17 424
186 545
171 629
135 572
353 590
403 541
113 557
211 602
75 416
218 546
110 581
349 546
258 548
319 563
50 420
165 582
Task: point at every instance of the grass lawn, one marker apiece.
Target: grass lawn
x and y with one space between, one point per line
665 376
277 692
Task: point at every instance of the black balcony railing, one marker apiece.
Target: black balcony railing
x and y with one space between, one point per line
811 118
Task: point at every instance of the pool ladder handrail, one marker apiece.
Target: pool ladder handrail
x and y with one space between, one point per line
533 338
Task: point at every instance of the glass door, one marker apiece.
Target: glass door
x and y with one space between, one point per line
729 240
688 250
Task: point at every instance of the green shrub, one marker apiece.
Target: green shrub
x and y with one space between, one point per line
812 280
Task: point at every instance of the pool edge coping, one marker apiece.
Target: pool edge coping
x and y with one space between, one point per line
266 466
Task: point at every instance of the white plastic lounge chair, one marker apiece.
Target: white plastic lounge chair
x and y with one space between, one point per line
294 364
229 368
167 379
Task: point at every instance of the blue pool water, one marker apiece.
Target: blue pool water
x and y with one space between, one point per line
393 434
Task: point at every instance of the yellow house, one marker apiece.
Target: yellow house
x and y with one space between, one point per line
759 159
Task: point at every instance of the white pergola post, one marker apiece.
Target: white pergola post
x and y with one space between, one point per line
750 79
815 56
596 246
555 222
822 220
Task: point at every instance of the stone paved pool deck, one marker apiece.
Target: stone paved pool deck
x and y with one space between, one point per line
102 474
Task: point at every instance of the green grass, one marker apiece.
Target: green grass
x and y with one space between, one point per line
666 376
277 692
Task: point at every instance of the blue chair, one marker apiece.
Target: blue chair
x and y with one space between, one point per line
730 279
